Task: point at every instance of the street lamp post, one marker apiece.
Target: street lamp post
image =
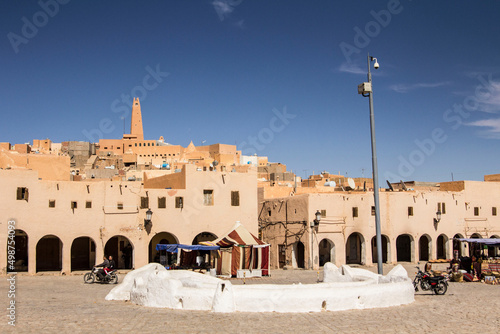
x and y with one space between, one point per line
365 89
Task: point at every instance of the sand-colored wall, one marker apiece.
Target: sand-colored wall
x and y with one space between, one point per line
49 167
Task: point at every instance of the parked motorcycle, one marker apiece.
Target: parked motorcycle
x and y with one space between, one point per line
91 277
438 284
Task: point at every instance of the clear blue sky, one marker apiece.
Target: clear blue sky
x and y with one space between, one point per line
234 65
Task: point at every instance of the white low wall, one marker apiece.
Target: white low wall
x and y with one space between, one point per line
344 288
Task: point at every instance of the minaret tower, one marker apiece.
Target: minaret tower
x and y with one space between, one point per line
136 121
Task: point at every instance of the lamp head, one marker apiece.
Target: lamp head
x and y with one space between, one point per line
376 65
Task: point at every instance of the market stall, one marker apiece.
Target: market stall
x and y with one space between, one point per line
483 261
190 256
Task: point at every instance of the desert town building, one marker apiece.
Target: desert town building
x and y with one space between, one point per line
412 230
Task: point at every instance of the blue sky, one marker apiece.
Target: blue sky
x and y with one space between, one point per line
276 78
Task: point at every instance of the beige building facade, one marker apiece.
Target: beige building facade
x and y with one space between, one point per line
67 226
410 229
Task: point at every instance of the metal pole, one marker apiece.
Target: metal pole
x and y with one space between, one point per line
375 177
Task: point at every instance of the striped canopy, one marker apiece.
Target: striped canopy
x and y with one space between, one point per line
238 235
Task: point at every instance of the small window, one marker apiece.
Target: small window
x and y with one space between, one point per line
235 198
494 211
323 213
162 202
373 210
476 211
88 205
441 207
208 197
179 202
52 203
269 212
144 202
74 205
410 211
135 144
119 206
22 193
354 211
140 144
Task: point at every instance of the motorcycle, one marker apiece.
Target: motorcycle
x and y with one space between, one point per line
91 277
438 284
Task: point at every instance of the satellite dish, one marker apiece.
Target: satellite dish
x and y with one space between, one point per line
330 184
351 183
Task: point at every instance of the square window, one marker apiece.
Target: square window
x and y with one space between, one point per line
119 206
323 213
354 211
235 198
476 211
373 210
144 202
410 211
52 203
74 205
494 211
22 193
162 202
179 202
208 197
88 205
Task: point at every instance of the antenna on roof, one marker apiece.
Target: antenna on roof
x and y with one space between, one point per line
390 185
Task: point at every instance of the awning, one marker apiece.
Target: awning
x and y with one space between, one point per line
488 242
240 236
172 248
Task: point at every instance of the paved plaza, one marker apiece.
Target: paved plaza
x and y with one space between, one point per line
62 304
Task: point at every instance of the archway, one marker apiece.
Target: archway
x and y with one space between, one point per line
424 248
203 236
299 254
164 257
442 247
83 254
355 249
122 251
493 251
326 252
404 248
49 254
476 236
20 252
385 249
458 245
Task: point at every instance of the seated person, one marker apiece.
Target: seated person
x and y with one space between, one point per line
111 265
101 272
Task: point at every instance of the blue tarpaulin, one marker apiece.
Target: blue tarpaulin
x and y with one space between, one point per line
172 248
488 242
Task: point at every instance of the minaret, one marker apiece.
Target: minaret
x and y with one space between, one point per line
136 121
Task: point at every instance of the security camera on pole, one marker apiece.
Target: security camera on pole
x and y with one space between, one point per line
365 89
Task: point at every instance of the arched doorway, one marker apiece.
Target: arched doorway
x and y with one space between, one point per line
20 252
299 254
493 251
326 252
385 249
163 257
442 247
203 236
458 245
122 251
404 248
354 249
424 248
49 254
83 254
476 236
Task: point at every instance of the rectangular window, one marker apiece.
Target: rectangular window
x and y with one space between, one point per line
52 203
119 206
162 202
373 210
354 211
74 205
476 211
235 198
208 197
323 213
22 194
179 202
88 205
144 202
410 211
441 207
494 211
